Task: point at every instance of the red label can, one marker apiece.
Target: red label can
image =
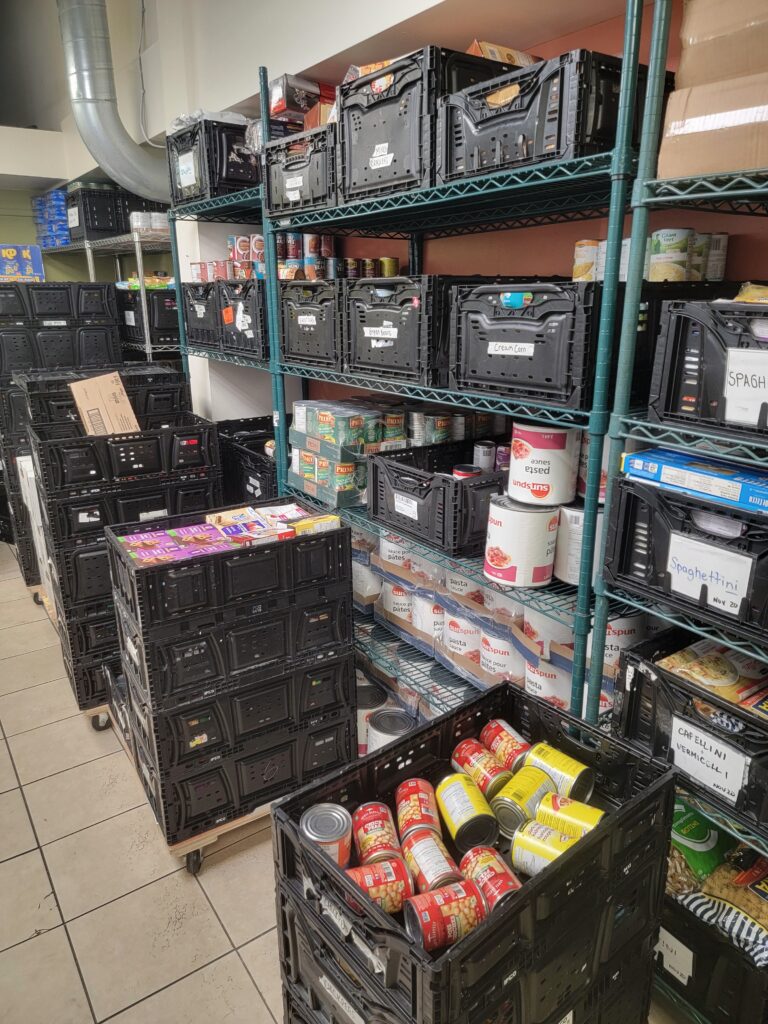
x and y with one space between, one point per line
485 867
416 807
506 745
476 761
465 470
387 882
373 829
440 918
431 865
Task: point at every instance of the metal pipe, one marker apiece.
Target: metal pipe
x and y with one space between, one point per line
91 80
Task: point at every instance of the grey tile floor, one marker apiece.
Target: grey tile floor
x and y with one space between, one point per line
98 922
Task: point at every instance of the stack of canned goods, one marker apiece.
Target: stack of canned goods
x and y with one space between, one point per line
508 809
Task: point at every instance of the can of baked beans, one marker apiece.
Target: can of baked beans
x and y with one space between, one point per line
535 846
374 833
428 860
466 813
571 817
464 470
472 758
443 916
570 777
493 876
387 882
518 800
294 245
506 745
370 268
329 826
351 269
416 807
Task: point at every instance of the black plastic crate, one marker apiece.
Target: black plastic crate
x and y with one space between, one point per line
387 120
94 213
79 465
662 712
14 302
723 983
563 926
90 345
238 785
89 679
82 574
202 314
163 316
248 473
24 550
119 708
653 533
85 640
243 320
414 492
312 332
398 327
13 415
210 158
57 303
301 171
156 595
181 742
224 651
707 358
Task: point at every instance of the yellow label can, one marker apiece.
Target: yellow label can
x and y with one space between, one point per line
517 802
466 812
571 817
571 777
535 846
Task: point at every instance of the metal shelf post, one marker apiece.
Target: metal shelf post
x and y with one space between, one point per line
183 349
143 295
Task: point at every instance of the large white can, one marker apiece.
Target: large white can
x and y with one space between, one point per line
549 682
622 632
427 615
569 540
501 606
395 550
544 632
499 656
462 586
520 543
397 600
581 483
545 464
462 636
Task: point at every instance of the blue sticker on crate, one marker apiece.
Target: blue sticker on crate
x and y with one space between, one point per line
516 300
21 262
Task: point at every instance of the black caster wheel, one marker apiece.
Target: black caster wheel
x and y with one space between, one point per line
37 597
194 862
100 722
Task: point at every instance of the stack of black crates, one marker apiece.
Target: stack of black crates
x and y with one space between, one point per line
227 316
163 314
248 468
239 668
101 210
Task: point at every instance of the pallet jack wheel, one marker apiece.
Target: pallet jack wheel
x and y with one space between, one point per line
194 861
37 597
100 722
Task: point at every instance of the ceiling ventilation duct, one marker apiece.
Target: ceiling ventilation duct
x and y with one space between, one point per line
88 63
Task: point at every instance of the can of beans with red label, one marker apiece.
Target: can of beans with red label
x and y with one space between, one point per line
387 882
416 807
472 758
506 745
441 917
494 878
373 831
430 863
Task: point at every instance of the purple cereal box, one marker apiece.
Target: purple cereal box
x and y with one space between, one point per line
143 541
196 536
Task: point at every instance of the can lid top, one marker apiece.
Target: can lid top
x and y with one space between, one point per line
391 721
370 694
325 822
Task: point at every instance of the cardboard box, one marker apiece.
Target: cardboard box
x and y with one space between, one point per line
505 54
318 115
355 71
722 41
716 128
103 405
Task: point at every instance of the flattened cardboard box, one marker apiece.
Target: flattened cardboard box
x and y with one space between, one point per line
104 406
722 41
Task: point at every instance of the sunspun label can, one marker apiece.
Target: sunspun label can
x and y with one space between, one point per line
395 550
498 655
427 616
581 482
397 600
543 631
461 636
549 682
520 543
570 535
545 464
621 632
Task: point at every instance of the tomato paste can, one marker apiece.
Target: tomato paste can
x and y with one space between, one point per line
465 470
416 807
491 874
545 464
518 800
329 826
466 813
506 745
484 455
571 817
373 831
428 860
499 656
544 631
571 777
461 637
472 758
520 543
369 268
443 916
548 681
351 269
387 882
396 550
294 245
535 846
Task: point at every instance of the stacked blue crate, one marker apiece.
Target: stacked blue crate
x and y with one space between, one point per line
50 213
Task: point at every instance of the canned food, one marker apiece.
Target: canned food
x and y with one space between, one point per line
428 860
461 636
311 245
499 656
387 725
370 697
294 245
571 817
351 269
571 777
458 426
280 245
329 826
374 833
517 802
503 456
466 812
395 550
387 882
472 758
484 455
327 245
464 470
462 586
440 918
389 266
491 874
397 600
535 846
506 745
331 268
370 268
416 807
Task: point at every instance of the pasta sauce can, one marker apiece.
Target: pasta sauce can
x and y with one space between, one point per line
494 878
520 543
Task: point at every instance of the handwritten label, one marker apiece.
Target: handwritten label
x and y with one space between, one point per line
292 195
130 318
341 1001
406 506
199 309
186 169
511 348
330 909
380 332
295 182
678 959
715 764
381 157
746 385
693 564
54 323
159 513
306 320
73 216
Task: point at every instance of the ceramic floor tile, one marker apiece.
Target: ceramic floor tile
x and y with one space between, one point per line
262 960
18 613
39 983
16 834
27 903
82 796
14 590
240 882
36 706
145 941
222 991
7 774
61 745
31 637
30 669
108 860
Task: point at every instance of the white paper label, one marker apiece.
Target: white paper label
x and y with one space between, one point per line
253 486
295 182
693 564
716 765
159 513
381 149
306 320
73 216
381 157
511 348
339 919
406 506
568 1018
380 332
242 319
382 343
293 195
199 309
130 318
186 165
89 517
343 1003
54 323
746 385
678 959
